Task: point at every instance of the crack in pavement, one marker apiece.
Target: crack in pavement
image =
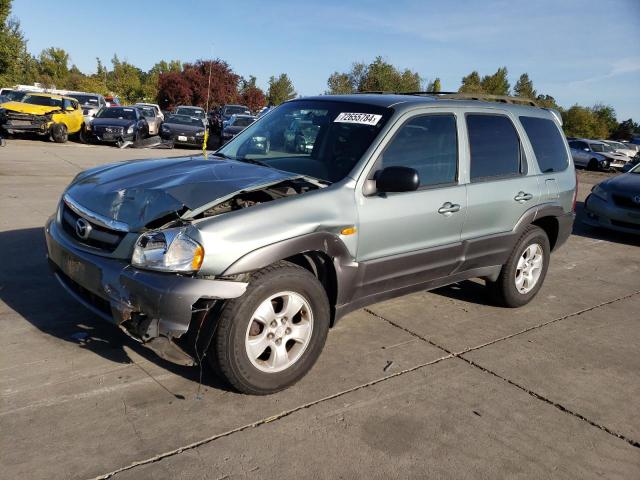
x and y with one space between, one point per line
633 443
449 355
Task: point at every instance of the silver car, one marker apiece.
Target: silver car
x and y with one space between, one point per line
596 155
153 119
248 257
615 203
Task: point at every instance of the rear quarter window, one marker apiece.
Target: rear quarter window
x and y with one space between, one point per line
547 144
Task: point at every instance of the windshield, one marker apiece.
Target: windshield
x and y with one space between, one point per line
617 145
44 101
635 169
184 120
242 121
316 138
15 95
235 109
117 112
148 112
195 112
86 99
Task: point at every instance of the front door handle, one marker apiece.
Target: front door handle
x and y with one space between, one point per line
523 197
448 208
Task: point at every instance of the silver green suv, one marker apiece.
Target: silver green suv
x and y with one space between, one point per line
248 257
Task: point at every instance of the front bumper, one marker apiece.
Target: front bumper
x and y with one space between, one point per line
605 214
187 140
148 305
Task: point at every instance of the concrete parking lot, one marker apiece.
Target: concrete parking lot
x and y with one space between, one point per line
432 385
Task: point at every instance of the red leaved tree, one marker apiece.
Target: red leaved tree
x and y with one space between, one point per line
194 80
173 90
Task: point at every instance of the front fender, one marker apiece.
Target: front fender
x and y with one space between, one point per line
325 242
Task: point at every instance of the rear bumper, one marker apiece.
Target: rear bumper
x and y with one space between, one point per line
147 305
565 227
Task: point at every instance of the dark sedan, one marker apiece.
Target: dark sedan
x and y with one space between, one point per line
118 125
615 203
235 125
183 130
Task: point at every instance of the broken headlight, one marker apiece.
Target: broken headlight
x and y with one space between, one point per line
170 250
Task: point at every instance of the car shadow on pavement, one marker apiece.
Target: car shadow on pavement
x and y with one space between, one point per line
583 230
28 287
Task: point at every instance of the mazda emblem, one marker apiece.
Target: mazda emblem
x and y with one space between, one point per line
83 228
636 199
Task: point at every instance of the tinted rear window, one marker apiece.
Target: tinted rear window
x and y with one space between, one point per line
547 143
495 146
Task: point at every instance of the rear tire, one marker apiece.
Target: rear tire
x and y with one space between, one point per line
524 272
59 133
593 164
270 337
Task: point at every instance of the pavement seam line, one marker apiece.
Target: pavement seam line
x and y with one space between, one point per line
291 411
535 395
544 399
267 420
506 337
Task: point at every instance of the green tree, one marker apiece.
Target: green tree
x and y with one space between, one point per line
339 84
524 88
496 84
16 64
125 80
53 67
606 117
582 122
384 77
626 130
280 90
547 101
471 83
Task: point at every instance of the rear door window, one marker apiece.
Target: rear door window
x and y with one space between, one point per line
494 146
547 144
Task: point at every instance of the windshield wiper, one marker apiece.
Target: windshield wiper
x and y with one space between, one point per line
253 161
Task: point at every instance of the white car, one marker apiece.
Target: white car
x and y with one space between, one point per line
155 106
623 148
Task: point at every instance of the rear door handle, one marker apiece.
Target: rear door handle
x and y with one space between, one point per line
523 197
448 208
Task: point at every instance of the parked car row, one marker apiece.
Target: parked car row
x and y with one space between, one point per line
603 154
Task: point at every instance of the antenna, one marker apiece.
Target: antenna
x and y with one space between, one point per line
209 84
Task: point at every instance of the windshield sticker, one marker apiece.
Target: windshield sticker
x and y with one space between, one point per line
361 118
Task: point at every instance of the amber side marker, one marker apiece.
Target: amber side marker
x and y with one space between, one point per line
348 231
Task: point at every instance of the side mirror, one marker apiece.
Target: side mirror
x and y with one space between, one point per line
397 179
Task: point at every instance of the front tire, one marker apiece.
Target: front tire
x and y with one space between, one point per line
270 337
524 272
59 133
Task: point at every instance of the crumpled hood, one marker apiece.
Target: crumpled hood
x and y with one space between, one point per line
29 108
614 156
140 191
626 183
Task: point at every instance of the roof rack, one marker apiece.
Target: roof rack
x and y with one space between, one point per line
465 96
490 98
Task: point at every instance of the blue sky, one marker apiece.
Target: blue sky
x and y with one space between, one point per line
577 51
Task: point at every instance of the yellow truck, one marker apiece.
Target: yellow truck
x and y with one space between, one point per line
45 114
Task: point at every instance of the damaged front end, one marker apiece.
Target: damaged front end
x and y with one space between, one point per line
110 245
155 308
17 122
